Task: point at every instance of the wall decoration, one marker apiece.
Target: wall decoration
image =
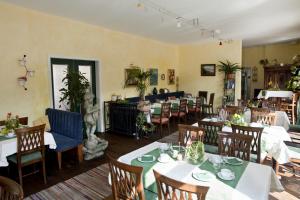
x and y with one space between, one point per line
254 74
129 73
208 69
28 72
162 77
154 76
171 76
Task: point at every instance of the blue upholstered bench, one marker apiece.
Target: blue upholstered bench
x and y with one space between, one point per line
66 128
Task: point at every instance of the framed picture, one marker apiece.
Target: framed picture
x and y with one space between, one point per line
132 81
171 76
162 77
154 76
208 69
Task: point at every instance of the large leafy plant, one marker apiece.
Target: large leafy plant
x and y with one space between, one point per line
74 90
294 82
141 78
228 67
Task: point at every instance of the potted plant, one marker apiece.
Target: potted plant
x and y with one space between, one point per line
74 90
228 68
142 125
141 77
294 83
195 152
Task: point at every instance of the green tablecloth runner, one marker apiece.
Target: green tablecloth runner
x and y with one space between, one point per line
148 176
2 138
157 111
237 169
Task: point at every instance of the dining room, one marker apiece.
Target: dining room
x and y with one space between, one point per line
149 99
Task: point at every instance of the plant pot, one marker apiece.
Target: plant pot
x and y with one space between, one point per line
230 76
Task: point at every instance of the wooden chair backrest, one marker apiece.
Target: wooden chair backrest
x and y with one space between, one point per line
165 110
231 110
183 105
30 140
22 120
10 190
203 94
236 145
258 113
211 131
255 132
168 188
126 180
211 98
189 134
199 102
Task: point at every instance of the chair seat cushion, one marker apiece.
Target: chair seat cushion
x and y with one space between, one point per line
26 158
211 148
156 120
175 114
64 143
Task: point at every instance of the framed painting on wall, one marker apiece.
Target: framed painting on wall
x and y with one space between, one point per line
171 76
132 81
154 76
208 69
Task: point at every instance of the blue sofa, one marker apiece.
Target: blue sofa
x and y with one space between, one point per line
66 128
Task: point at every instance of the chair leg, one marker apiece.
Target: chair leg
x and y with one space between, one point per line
161 133
44 171
80 153
168 128
20 174
59 160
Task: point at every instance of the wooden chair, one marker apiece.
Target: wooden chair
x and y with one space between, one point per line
168 188
10 190
126 180
211 135
195 108
22 120
208 109
236 145
255 132
164 118
189 133
242 103
203 94
291 108
181 111
263 115
231 110
30 149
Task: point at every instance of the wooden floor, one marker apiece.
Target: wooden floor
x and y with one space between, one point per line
118 145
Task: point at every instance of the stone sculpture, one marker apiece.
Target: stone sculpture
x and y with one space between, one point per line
93 145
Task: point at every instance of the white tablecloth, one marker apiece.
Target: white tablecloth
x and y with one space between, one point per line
9 147
255 183
275 93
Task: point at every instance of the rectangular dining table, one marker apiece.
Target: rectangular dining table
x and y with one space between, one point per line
255 182
8 146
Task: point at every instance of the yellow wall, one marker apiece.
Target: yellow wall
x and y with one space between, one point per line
40 36
192 56
283 52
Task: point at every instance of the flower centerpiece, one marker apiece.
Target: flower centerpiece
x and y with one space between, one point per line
10 124
238 119
195 152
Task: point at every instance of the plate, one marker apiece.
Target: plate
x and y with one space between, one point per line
164 161
230 178
203 175
233 161
146 158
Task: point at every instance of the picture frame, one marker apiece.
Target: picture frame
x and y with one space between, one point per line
208 69
154 76
171 76
132 82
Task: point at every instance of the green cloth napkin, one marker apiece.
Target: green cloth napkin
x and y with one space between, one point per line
2 138
238 171
174 107
148 176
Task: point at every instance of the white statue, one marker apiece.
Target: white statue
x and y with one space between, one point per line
94 146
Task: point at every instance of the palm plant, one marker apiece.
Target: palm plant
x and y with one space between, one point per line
74 90
141 78
228 67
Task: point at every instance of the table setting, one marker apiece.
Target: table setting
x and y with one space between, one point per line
227 177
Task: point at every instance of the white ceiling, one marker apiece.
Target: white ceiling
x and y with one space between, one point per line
253 21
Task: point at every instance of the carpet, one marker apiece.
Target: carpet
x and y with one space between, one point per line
92 184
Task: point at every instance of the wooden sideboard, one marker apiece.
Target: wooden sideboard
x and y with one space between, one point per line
279 75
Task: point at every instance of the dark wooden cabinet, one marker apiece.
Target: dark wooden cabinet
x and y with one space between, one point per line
277 76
